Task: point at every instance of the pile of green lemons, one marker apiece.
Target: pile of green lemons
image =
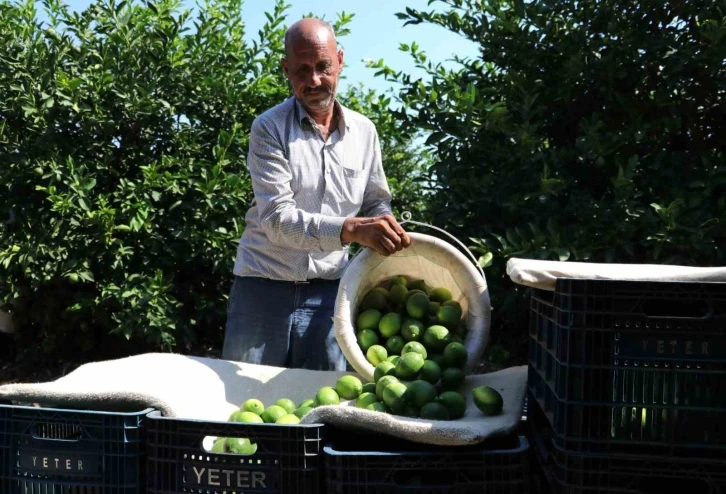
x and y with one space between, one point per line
413 335
419 331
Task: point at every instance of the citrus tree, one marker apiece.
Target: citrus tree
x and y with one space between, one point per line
123 135
583 131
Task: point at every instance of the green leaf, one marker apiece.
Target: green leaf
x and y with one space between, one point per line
435 137
486 260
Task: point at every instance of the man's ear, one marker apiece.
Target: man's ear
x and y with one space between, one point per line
340 60
283 64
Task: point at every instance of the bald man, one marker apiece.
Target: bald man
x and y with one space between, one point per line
318 186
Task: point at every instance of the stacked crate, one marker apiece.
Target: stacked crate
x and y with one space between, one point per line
62 451
627 385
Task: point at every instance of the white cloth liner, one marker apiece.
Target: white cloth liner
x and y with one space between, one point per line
428 258
211 389
544 274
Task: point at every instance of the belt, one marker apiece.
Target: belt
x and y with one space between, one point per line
316 281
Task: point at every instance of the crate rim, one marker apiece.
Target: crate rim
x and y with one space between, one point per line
640 281
157 415
145 412
328 449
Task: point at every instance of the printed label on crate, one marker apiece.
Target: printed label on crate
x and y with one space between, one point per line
634 345
239 477
57 462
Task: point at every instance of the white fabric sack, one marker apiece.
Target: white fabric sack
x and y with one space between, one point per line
211 389
428 258
544 274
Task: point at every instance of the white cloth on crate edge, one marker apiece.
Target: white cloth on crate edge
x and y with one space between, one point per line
543 274
211 389
428 258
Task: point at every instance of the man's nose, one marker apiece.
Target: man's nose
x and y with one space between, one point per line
315 79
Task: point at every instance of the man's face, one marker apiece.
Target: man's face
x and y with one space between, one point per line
313 67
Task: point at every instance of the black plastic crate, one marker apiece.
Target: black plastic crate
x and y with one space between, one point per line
576 472
377 464
59 451
288 460
631 365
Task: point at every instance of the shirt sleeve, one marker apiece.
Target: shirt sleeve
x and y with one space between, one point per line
284 223
377 196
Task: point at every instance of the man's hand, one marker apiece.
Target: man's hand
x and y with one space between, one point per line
382 234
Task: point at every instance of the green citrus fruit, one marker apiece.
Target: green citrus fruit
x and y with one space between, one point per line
440 294
272 413
394 395
383 369
455 355
488 400
369 388
366 339
374 300
452 378
396 294
415 347
434 411
393 359
326 396
390 324
349 387
250 418
409 366
448 316
302 411
430 372
378 407
368 319
417 305
421 392
376 354
287 404
366 399
288 419
412 330
454 402
382 383
436 338
306 403
254 406
219 445
241 446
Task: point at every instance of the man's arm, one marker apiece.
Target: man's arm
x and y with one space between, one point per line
378 229
377 197
284 223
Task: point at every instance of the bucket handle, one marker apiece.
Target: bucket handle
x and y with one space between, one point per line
406 218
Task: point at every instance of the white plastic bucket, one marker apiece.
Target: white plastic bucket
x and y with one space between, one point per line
428 258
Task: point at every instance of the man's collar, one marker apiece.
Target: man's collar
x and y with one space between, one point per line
302 115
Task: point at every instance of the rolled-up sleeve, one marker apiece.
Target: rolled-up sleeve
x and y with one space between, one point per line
283 221
377 197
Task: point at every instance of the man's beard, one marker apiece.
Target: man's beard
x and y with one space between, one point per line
324 99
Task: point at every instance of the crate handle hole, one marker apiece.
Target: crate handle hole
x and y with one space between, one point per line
229 445
686 309
415 479
57 432
659 485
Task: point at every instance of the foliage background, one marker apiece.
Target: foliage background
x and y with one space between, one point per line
584 131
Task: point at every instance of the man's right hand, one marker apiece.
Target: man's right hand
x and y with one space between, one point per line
381 233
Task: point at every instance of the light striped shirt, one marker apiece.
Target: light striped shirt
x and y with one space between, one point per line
304 188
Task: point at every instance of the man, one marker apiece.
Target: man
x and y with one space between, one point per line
315 166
